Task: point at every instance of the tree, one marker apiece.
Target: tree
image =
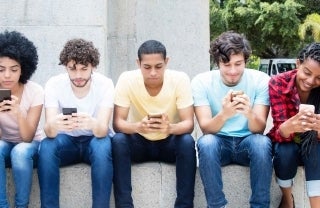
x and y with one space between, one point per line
311 24
270 27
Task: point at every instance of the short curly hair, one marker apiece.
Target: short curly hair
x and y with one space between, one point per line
227 44
80 51
16 46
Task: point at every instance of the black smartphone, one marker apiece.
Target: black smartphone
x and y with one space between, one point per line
5 94
68 111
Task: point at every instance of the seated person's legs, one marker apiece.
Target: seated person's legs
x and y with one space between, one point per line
5 148
23 159
256 151
99 155
53 153
181 149
211 149
122 170
312 171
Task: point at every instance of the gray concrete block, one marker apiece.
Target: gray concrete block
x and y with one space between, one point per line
153 185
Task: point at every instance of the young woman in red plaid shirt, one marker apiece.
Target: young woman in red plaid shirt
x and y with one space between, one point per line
295 133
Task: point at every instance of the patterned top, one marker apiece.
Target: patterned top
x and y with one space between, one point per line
284 102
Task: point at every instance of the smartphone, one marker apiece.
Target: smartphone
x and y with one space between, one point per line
68 111
154 116
306 107
236 93
5 94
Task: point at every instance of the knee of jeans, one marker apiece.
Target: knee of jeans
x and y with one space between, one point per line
206 142
47 147
23 151
119 139
261 144
186 140
100 147
288 151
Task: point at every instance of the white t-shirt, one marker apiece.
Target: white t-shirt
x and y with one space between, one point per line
32 95
59 94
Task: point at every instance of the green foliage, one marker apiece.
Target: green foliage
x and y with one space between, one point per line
311 24
253 62
270 26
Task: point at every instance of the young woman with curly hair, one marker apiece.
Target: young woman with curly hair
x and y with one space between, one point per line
19 115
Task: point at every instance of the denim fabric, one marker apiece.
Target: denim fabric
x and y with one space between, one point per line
65 150
22 157
175 148
286 160
253 151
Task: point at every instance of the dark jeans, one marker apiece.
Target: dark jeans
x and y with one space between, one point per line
135 148
286 160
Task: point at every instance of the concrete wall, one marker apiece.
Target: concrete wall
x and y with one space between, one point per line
116 27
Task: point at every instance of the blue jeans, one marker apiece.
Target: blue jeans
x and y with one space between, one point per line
254 151
22 157
286 160
135 148
65 150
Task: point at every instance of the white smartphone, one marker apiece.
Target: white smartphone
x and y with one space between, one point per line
306 107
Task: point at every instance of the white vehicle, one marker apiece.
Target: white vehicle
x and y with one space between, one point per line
276 66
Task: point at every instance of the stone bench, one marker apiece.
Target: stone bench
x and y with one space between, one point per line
154 186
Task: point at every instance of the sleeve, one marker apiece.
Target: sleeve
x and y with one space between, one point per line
121 97
38 95
278 110
262 91
107 93
51 94
198 92
184 93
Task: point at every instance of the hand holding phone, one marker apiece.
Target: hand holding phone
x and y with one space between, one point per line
155 117
236 93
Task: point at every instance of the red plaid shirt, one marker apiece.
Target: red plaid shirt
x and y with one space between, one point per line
284 102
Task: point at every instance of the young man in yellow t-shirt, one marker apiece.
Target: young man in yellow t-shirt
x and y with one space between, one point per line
153 118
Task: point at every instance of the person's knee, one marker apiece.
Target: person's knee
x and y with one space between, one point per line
101 147
23 151
47 148
119 139
207 142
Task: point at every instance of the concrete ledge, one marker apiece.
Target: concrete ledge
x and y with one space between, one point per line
154 186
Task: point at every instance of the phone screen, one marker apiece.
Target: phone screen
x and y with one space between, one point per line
5 94
68 111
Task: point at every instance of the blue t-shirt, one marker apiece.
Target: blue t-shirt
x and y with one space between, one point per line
209 90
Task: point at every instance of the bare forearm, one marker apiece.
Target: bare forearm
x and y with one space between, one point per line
99 129
26 129
256 124
213 126
182 127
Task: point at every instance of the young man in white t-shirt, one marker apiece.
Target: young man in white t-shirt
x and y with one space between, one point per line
80 133
153 118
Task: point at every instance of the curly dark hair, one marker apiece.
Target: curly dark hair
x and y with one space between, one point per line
16 46
80 51
227 44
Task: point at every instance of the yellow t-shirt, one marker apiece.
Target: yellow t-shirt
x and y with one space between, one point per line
130 92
